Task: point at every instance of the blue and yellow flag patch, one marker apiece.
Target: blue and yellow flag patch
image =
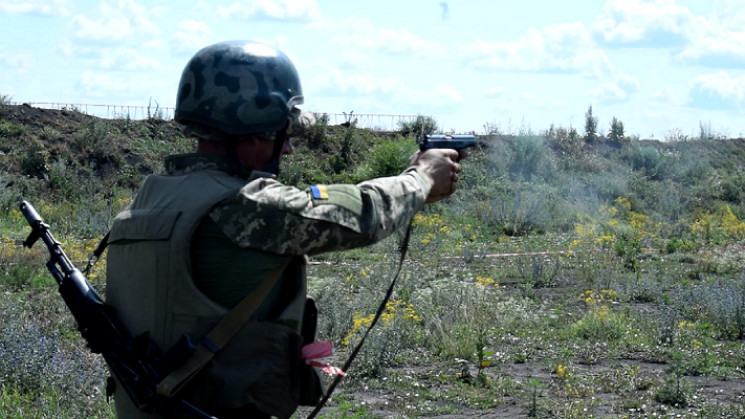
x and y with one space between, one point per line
319 192
348 197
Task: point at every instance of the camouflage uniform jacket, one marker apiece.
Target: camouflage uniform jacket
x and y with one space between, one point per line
276 218
150 260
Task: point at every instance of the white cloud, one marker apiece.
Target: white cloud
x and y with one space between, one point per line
14 61
729 13
618 90
293 10
124 21
39 7
102 86
727 50
669 95
494 92
122 59
557 48
354 59
717 41
190 37
107 85
114 29
385 90
441 96
718 91
362 34
652 23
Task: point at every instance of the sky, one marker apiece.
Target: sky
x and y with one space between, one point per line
664 68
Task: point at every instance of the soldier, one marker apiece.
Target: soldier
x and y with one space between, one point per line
217 226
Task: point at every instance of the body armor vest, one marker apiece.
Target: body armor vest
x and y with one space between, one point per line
149 283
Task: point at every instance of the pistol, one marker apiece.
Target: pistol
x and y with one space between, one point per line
455 142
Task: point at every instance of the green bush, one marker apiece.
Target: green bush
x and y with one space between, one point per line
9 129
317 132
602 324
420 127
530 158
34 162
387 157
647 159
567 142
522 210
720 304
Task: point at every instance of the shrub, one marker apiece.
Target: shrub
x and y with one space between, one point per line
100 139
601 322
9 193
566 141
674 391
679 245
419 127
540 273
9 129
317 132
732 189
42 372
26 358
49 133
5 100
345 149
720 303
17 277
529 158
647 159
34 162
291 171
522 211
388 157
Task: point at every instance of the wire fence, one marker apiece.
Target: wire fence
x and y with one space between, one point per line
373 121
109 111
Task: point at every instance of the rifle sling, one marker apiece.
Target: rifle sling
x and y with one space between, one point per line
96 255
219 336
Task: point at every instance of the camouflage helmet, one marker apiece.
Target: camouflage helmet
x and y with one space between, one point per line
238 87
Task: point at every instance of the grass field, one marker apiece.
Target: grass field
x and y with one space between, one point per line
562 281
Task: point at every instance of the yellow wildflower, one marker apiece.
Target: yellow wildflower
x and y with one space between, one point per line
484 281
562 371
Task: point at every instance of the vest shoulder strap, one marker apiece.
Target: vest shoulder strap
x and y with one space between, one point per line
219 336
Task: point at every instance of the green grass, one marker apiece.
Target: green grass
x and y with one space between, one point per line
562 280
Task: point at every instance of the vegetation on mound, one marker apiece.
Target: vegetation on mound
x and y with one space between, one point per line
570 276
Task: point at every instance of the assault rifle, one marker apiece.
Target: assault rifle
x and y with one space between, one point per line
455 142
136 362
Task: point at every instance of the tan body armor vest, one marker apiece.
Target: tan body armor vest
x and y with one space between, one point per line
149 283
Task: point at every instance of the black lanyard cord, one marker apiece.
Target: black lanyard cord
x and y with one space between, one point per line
404 247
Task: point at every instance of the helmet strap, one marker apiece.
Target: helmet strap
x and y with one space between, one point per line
231 155
279 142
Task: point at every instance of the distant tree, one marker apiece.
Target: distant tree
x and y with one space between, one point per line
616 133
705 132
566 141
418 128
591 126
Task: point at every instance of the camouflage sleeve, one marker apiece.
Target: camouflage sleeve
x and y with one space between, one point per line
281 219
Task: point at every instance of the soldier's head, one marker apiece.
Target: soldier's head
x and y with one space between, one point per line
239 91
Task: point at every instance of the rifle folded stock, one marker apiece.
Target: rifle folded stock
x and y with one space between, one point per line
106 334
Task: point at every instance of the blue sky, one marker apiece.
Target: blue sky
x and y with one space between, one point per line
662 67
